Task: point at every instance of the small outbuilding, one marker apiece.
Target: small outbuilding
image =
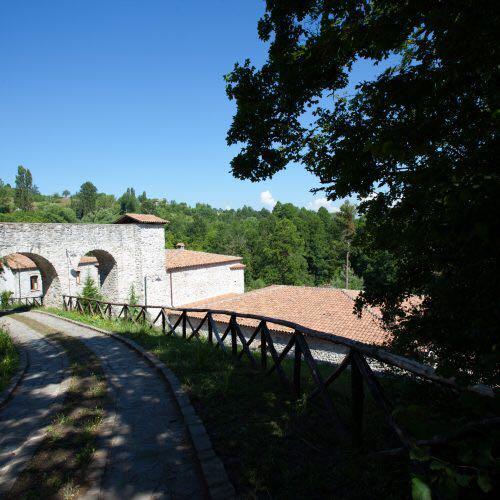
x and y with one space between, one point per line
194 276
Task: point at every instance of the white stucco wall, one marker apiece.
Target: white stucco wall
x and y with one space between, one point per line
19 282
199 283
85 271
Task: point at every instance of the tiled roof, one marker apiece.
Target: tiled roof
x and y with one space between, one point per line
238 266
329 310
140 219
88 259
18 261
181 259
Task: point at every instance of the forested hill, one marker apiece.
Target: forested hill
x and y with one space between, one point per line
289 245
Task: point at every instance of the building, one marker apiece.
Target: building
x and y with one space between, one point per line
21 276
194 276
328 310
130 252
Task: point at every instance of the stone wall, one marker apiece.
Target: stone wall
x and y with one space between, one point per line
127 252
203 282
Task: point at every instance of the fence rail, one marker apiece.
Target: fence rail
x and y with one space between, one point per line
232 341
26 301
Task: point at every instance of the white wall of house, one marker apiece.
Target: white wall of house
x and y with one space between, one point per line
85 270
203 282
19 282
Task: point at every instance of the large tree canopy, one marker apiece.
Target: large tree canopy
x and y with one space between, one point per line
418 142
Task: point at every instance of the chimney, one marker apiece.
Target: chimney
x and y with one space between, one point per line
180 246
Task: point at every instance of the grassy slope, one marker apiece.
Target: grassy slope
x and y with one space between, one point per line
275 446
9 359
272 445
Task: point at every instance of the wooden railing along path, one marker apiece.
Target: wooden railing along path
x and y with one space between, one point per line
26 301
233 342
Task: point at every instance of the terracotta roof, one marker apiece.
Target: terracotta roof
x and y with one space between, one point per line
238 266
89 259
140 219
18 261
328 310
181 259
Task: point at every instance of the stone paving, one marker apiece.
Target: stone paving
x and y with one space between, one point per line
23 419
149 452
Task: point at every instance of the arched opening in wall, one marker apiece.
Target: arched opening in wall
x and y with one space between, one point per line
100 267
29 275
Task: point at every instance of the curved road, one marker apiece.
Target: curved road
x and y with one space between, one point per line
149 452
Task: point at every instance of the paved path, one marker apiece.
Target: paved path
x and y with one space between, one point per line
34 403
149 452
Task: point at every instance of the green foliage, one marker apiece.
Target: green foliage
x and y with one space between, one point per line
6 198
466 470
9 359
90 289
47 212
419 489
86 199
418 142
249 415
132 299
128 202
5 296
25 191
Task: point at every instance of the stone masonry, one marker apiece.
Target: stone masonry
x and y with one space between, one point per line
128 254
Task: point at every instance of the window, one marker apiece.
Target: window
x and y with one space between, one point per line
78 277
34 283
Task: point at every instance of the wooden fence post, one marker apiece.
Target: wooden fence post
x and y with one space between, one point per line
297 364
357 392
234 345
184 321
210 329
263 348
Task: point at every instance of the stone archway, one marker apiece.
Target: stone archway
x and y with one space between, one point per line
51 284
107 272
126 254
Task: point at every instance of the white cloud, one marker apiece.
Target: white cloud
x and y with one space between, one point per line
317 203
266 198
370 197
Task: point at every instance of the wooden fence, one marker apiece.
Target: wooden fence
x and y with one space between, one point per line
233 342
26 301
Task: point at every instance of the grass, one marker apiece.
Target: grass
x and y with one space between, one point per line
58 467
9 359
276 446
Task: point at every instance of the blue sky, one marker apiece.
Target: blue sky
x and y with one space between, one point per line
131 93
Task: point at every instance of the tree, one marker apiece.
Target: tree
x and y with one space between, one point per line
346 222
6 198
66 193
418 142
280 254
86 199
128 202
25 191
148 206
90 289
